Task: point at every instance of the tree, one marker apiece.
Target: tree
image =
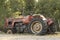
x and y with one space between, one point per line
29 6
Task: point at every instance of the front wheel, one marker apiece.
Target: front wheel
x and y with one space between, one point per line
9 31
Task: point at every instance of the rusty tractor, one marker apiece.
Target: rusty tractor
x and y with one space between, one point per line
36 24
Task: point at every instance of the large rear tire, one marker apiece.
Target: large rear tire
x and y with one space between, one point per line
37 26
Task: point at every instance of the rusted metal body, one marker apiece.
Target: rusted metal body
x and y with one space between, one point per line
25 20
22 22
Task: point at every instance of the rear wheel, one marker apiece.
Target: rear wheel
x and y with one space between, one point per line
37 26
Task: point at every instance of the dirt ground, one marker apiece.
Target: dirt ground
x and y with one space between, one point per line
30 37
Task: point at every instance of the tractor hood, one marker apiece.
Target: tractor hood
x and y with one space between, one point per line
17 19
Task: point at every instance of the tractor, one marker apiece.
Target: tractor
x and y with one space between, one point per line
35 24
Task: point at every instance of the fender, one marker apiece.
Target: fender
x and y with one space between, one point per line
27 19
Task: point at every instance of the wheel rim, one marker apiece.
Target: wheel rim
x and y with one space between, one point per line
36 27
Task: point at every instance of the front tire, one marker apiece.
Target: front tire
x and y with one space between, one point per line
9 31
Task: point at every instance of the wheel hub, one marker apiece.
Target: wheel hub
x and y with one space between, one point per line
36 27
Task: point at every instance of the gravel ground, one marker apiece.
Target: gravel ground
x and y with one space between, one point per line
29 37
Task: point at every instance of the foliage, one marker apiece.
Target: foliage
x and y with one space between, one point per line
49 8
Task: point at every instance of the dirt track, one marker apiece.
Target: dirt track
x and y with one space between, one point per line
29 37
